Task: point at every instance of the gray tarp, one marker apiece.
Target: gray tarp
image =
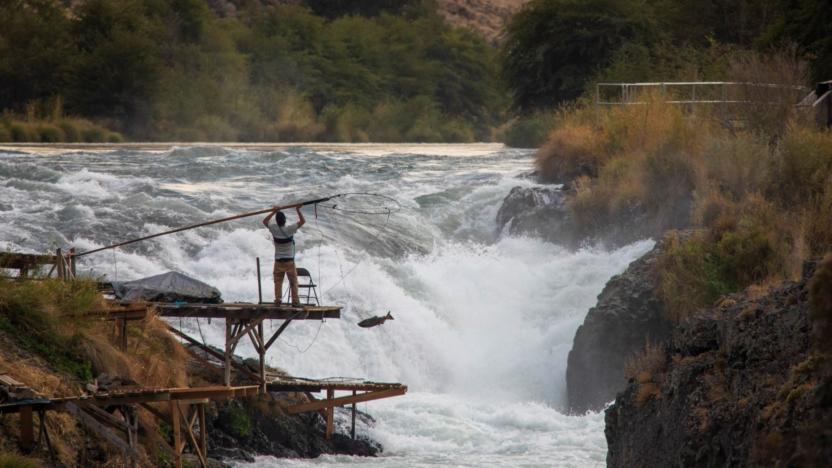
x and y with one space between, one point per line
167 287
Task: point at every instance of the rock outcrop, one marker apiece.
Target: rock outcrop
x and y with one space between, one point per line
544 212
243 428
628 315
739 385
540 212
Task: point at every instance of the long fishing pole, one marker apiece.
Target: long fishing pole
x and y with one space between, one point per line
208 223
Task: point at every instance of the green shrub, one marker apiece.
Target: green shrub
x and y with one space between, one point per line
690 275
49 133
93 134
237 420
33 313
528 131
803 168
14 460
22 133
5 133
747 256
71 132
114 137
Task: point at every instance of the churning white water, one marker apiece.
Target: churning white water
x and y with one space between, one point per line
483 321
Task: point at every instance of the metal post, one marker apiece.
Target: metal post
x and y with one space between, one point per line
259 285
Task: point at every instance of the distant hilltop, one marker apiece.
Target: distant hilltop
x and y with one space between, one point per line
485 16
488 17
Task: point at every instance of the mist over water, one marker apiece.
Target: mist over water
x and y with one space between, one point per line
483 321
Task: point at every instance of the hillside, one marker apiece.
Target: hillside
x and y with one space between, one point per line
488 17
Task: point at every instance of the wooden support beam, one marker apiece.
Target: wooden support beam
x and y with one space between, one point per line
177 434
281 329
189 430
95 426
27 432
227 358
354 409
261 351
342 401
330 413
123 329
203 430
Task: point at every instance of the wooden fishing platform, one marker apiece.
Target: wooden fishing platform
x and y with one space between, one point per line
113 416
326 407
241 320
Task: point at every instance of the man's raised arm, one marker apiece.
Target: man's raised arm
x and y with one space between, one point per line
301 219
269 217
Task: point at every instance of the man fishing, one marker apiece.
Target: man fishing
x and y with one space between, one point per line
284 252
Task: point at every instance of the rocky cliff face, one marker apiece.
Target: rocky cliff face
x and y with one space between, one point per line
628 315
741 385
544 212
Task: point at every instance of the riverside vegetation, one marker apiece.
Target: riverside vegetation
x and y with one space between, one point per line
180 70
733 303
52 339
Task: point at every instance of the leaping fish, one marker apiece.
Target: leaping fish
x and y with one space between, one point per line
375 321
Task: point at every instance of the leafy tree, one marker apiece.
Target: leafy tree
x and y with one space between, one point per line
554 46
806 23
35 51
117 71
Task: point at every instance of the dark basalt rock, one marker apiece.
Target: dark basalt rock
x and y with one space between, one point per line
627 316
243 428
543 212
539 212
744 386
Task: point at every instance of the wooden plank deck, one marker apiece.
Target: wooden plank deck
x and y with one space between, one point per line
247 311
311 385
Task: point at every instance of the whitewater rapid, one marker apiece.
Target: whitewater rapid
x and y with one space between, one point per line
483 321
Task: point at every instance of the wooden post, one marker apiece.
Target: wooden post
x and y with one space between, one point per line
261 350
352 428
203 430
177 434
330 413
72 261
27 433
59 257
228 351
123 329
259 285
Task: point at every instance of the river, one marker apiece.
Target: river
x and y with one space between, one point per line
483 321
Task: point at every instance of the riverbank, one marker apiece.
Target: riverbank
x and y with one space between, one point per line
57 345
739 210
371 149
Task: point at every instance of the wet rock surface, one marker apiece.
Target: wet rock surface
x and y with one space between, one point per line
544 212
244 428
628 315
539 212
743 386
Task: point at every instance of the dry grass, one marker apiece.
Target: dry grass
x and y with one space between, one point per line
761 192
769 109
58 311
648 365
